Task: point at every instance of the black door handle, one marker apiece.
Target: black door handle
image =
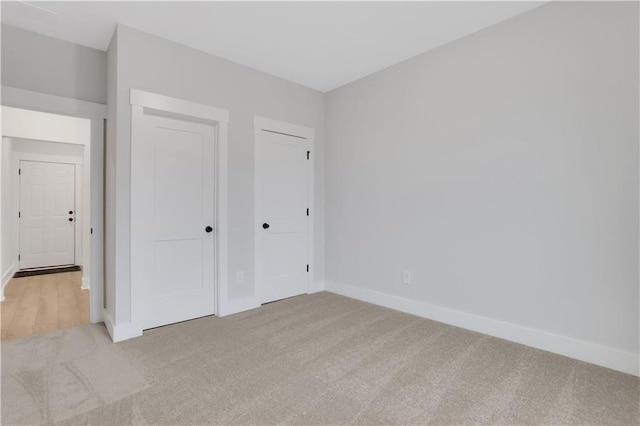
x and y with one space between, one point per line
208 229
70 211
265 226
70 219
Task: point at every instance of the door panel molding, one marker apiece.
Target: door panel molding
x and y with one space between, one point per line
24 164
262 125
82 255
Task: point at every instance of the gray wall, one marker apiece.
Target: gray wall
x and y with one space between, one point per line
501 170
156 65
109 180
43 64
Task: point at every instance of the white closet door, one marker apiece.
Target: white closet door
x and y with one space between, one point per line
282 194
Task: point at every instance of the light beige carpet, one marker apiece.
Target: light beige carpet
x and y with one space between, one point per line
318 359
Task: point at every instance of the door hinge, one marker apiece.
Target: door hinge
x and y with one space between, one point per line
307 212
18 257
19 171
91 231
307 268
18 215
308 153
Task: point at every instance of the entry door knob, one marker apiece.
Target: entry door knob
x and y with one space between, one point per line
208 229
265 226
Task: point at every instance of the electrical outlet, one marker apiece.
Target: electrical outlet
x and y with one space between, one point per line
239 277
406 277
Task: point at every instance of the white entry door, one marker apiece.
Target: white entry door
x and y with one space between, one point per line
282 215
173 240
47 214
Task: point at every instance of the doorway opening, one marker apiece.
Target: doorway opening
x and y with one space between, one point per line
45 222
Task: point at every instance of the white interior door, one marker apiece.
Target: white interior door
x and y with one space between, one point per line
47 214
282 202
173 171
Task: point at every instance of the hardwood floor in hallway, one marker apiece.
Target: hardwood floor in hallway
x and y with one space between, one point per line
43 303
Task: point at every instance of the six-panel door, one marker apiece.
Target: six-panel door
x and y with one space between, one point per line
47 214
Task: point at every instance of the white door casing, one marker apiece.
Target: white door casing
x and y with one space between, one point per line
178 189
47 214
283 209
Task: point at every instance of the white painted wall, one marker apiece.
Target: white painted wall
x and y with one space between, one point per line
142 61
501 170
28 124
43 64
29 146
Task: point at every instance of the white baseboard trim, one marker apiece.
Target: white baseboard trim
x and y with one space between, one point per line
627 362
234 306
5 279
8 275
85 283
108 322
120 332
316 286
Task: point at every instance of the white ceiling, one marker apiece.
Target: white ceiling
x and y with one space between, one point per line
322 45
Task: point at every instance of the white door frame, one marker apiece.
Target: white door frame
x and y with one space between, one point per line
142 101
260 124
93 244
77 162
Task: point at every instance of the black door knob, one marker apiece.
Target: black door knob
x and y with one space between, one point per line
70 211
265 226
70 219
208 229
